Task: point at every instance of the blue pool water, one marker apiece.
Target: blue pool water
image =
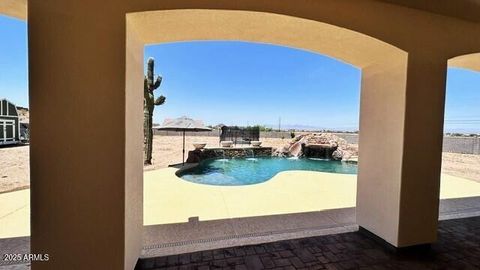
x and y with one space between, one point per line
247 171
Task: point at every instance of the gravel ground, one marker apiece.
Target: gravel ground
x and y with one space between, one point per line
14 168
461 165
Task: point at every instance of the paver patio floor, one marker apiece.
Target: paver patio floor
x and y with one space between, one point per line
458 247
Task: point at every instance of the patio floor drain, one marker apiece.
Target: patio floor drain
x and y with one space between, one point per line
339 227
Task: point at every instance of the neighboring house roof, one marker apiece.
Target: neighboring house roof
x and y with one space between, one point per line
8 111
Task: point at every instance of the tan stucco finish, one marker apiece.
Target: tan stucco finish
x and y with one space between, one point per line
469 61
346 45
86 56
14 8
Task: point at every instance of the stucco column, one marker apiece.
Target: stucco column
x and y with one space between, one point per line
86 139
401 131
422 149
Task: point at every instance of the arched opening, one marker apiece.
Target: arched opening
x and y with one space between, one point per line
245 84
461 152
383 82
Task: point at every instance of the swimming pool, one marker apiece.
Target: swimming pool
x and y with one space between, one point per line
248 171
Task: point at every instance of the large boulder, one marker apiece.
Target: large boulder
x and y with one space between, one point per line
338 154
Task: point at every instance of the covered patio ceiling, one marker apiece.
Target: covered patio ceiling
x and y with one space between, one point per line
462 9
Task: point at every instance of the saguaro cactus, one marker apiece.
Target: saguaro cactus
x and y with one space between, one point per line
149 103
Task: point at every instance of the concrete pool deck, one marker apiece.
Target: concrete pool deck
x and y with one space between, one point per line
169 199
15 214
286 193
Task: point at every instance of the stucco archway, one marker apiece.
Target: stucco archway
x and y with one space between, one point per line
383 67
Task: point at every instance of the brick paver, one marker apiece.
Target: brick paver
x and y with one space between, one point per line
458 247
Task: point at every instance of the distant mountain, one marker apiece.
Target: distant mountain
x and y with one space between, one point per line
296 127
300 127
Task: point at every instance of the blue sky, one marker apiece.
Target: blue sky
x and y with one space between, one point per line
13 61
462 105
247 83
